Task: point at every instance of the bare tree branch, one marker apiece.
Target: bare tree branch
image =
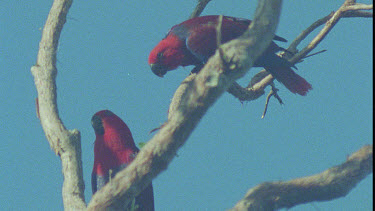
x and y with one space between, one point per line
67 144
203 91
326 29
316 24
348 9
357 14
293 46
197 93
199 8
261 80
333 183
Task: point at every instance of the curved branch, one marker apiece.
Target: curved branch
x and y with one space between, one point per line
67 144
203 91
348 9
316 24
293 46
326 29
333 183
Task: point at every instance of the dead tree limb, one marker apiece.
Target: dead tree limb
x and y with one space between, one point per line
333 183
65 143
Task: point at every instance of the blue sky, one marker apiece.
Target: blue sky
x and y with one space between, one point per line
102 64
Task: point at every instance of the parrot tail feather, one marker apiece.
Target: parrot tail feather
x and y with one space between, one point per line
291 80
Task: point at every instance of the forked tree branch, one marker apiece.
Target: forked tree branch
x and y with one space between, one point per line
199 92
65 143
202 92
257 85
333 183
348 9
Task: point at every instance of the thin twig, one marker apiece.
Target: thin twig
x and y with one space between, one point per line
313 54
357 14
266 106
218 31
274 93
199 8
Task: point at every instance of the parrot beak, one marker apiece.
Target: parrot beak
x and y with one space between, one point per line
158 69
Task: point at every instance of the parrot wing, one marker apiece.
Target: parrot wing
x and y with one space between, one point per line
201 41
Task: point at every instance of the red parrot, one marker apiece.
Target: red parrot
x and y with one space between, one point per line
193 42
115 149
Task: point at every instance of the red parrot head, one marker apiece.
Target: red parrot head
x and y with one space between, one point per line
109 127
167 55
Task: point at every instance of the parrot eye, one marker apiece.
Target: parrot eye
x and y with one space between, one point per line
159 56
